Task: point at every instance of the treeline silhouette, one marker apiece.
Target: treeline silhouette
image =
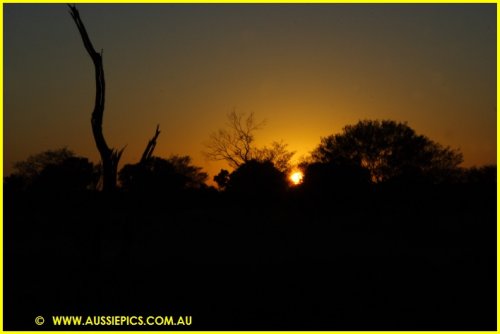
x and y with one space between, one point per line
386 232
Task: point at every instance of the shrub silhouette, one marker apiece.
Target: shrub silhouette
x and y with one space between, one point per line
257 178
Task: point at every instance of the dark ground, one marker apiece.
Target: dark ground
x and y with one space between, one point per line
413 259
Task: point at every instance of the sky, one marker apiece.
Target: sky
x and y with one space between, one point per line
307 70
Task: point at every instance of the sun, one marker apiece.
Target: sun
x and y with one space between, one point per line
296 177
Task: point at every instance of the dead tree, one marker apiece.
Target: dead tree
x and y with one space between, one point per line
148 151
235 144
109 156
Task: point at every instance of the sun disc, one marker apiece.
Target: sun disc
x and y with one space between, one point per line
296 177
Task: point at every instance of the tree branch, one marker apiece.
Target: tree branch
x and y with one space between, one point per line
148 151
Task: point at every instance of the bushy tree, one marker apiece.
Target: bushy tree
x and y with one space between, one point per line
328 178
257 178
389 151
34 164
484 175
222 178
162 175
193 175
53 170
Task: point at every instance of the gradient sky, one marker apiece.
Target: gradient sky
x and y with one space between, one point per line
308 70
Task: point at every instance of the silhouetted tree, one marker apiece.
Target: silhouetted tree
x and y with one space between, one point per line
222 178
109 156
236 146
194 176
162 175
484 175
389 150
34 164
335 177
53 170
154 175
277 154
150 147
257 178
72 174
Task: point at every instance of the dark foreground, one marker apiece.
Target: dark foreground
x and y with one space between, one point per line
413 259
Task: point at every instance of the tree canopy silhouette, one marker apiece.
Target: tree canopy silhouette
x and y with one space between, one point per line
53 170
222 178
277 154
484 175
162 175
335 177
389 150
257 178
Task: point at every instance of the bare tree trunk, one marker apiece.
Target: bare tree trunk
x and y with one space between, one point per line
109 156
150 147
